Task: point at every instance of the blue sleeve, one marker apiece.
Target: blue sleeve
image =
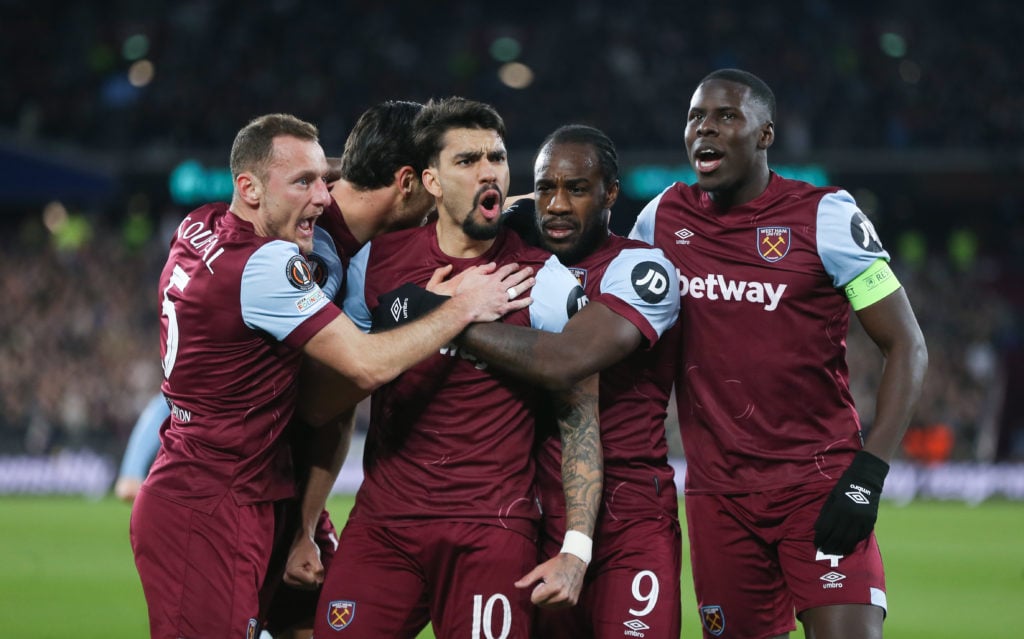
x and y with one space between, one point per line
643 228
144 442
847 241
278 292
326 264
557 296
648 282
355 294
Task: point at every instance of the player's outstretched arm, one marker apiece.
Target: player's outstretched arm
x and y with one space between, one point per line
370 360
557 582
595 338
851 509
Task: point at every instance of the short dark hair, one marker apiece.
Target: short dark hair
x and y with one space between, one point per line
253 147
758 88
440 116
380 143
607 157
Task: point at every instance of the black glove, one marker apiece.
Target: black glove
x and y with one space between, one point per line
851 509
403 304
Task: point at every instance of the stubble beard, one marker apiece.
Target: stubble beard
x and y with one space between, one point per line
477 231
480 231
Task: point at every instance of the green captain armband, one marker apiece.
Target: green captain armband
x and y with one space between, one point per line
876 282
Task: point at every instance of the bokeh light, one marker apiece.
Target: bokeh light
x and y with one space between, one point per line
505 49
893 45
135 47
515 75
141 73
55 215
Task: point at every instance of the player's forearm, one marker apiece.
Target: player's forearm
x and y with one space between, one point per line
582 455
536 356
594 339
392 352
898 392
370 360
329 448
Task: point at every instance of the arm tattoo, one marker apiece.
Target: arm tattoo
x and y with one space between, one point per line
582 455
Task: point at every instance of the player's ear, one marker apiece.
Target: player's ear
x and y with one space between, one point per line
611 195
249 188
431 182
406 179
767 135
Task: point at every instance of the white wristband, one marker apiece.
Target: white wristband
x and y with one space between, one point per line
576 543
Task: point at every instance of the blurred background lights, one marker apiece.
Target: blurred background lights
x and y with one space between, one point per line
135 47
912 248
505 49
141 73
191 183
515 75
893 45
67 232
55 215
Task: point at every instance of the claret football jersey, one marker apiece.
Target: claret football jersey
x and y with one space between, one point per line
451 438
763 387
637 282
236 310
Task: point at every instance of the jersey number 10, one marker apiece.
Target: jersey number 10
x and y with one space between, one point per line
483 616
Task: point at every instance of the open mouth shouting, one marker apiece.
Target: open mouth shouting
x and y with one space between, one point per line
488 202
305 226
707 159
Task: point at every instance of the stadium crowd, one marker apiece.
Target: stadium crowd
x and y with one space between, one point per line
851 74
79 326
78 323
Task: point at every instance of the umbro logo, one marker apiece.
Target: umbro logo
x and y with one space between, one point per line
857 497
684 236
833 580
398 309
636 628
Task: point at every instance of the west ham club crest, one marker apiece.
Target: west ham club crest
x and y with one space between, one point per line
773 242
340 614
713 619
